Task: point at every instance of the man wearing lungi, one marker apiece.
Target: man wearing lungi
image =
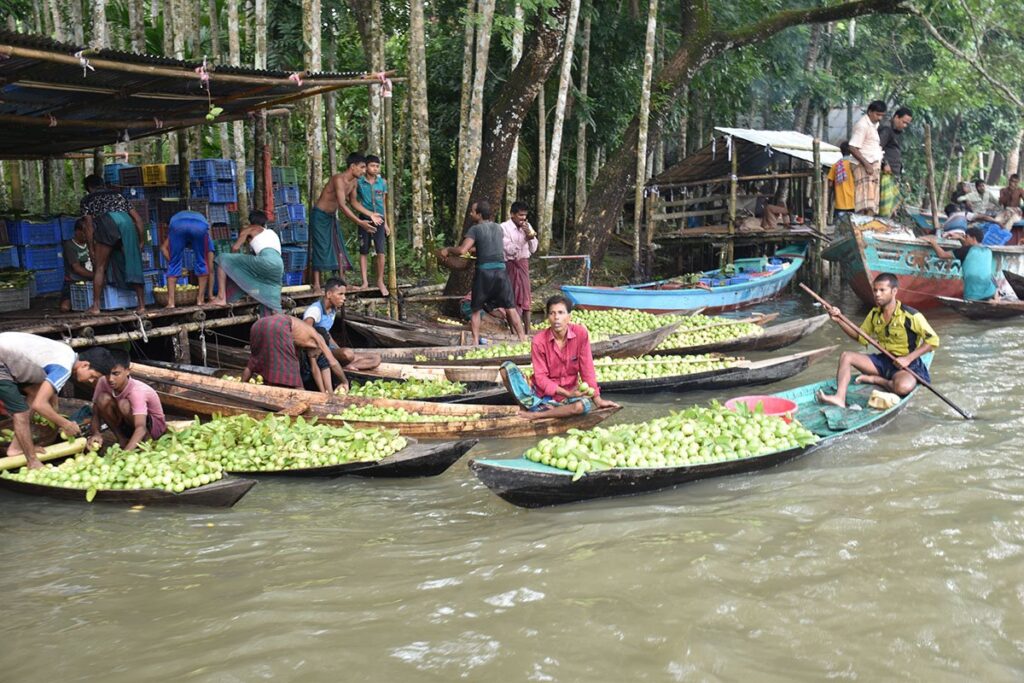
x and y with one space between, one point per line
519 241
866 148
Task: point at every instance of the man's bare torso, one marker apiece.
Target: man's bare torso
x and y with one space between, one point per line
335 192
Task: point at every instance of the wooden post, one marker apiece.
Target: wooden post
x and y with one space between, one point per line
819 215
931 176
650 203
97 161
184 348
395 174
17 196
183 170
259 164
47 186
730 251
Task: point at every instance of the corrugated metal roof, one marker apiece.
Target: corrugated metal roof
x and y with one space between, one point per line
50 103
757 152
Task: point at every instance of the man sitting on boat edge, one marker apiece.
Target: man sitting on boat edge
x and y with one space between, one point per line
901 330
561 359
977 264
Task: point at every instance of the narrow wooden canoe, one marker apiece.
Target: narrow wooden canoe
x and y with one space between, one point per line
622 346
984 310
773 338
467 420
1016 283
529 484
415 460
221 493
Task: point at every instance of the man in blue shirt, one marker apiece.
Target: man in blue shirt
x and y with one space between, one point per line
371 191
321 315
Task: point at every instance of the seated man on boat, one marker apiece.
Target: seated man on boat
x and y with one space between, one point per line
321 315
131 409
273 341
258 275
977 264
901 330
564 379
32 370
491 285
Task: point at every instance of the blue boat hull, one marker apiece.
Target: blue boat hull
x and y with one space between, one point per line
715 300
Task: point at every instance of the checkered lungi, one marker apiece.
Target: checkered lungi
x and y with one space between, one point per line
866 189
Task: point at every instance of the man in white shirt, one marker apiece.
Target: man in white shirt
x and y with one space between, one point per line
519 242
866 148
982 200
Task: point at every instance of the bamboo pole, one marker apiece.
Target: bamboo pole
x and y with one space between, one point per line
931 176
169 331
17 196
733 187
819 214
394 172
725 179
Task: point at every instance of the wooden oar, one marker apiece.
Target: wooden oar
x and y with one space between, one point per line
921 380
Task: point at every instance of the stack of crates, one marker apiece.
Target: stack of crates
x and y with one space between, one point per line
38 243
291 222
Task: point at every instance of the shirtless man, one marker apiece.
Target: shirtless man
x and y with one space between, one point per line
328 243
275 342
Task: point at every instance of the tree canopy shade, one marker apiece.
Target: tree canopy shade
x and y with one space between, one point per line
56 99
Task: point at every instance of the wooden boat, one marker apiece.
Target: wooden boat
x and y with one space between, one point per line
622 346
1016 283
415 460
221 493
865 247
529 484
210 396
662 296
773 338
984 310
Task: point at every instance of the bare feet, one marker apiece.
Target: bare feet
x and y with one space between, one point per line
141 308
871 379
831 400
218 301
170 305
365 285
527 415
383 290
95 310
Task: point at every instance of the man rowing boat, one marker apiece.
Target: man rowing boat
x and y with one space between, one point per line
901 330
564 379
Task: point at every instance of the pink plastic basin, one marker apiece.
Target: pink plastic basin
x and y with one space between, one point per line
773 405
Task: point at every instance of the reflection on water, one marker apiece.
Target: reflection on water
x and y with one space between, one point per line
896 554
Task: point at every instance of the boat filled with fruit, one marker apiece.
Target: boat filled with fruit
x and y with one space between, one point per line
696 443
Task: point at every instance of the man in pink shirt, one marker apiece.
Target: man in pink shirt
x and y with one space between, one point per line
561 360
130 408
519 242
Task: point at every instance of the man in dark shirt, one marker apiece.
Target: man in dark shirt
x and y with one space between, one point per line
491 286
116 234
889 137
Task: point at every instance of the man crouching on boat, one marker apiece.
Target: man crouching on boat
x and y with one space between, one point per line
901 330
564 379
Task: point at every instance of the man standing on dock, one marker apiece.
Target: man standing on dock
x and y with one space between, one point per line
892 163
901 330
116 234
491 286
520 242
866 148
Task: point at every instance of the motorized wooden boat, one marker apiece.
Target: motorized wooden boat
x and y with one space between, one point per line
529 484
984 310
744 289
415 460
221 493
774 337
622 346
865 247
1016 283
209 396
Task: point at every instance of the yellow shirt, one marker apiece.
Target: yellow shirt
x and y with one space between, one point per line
844 190
905 331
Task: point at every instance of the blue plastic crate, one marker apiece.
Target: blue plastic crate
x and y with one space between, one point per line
133 193
154 278
291 279
67 227
295 258
250 179
220 191
34 232
112 173
299 234
164 192
49 281
995 235
295 212
217 213
113 298
286 194
9 257
41 258
211 169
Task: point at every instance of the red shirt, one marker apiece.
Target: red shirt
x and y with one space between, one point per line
273 352
555 367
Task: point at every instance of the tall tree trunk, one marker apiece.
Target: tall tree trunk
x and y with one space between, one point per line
258 33
542 156
564 84
331 110
77 21
697 47
238 127
512 185
582 112
470 156
222 128
803 107
1013 158
422 199
465 106
137 25
315 127
641 154
506 115
57 18
369 23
